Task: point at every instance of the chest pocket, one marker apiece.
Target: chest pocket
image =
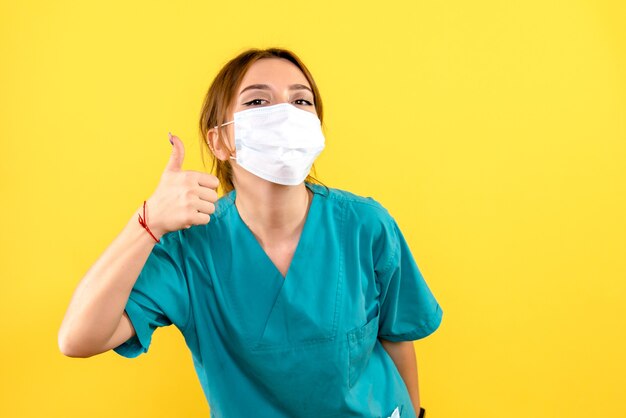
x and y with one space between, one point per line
361 343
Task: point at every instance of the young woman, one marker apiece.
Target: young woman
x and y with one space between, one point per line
295 299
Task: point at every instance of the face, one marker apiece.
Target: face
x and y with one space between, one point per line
269 81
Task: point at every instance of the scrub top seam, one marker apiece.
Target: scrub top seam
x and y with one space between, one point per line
388 265
186 276
340 279
166 246
368 201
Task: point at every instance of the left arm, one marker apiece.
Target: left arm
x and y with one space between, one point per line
403 355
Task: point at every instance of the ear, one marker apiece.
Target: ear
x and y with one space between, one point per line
216 146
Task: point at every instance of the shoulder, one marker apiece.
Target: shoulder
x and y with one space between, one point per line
369 225
363 212
362 205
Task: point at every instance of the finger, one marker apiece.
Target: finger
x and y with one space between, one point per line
205 207
207 194
208 180
200 218
175 162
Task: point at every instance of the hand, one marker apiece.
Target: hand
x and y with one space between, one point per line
182 198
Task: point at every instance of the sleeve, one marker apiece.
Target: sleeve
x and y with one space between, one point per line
408 309
160 296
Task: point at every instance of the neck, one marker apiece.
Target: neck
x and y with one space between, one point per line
273 212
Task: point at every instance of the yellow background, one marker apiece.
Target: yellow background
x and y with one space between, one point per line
493 131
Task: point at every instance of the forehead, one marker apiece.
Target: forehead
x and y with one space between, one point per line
277 72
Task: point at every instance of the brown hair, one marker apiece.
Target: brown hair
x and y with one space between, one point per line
221 95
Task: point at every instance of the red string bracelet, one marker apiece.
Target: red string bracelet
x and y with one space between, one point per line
143 223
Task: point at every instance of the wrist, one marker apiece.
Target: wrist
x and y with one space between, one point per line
151 228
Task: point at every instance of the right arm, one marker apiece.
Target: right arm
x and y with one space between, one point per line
95 320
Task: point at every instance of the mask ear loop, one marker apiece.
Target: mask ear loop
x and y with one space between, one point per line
223 124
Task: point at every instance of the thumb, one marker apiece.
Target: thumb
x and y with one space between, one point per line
178 154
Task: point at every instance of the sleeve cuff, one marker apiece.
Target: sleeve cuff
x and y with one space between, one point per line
426 327
139 343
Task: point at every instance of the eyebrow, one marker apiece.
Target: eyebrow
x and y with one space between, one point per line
266 87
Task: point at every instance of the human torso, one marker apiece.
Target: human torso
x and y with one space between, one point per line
290 332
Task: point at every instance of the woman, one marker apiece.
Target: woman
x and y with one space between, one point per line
295 299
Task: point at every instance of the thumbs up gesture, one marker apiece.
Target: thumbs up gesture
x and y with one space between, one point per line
182 198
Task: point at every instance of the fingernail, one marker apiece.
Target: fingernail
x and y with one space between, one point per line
169 134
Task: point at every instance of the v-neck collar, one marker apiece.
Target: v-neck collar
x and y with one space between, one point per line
304 234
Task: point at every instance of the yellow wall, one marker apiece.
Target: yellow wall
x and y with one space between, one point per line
494 132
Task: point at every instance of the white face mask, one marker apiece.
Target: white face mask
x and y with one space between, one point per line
277 143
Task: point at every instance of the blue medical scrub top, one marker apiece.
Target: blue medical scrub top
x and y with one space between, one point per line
304 345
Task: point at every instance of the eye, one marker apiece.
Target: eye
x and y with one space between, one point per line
303 102
255 102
